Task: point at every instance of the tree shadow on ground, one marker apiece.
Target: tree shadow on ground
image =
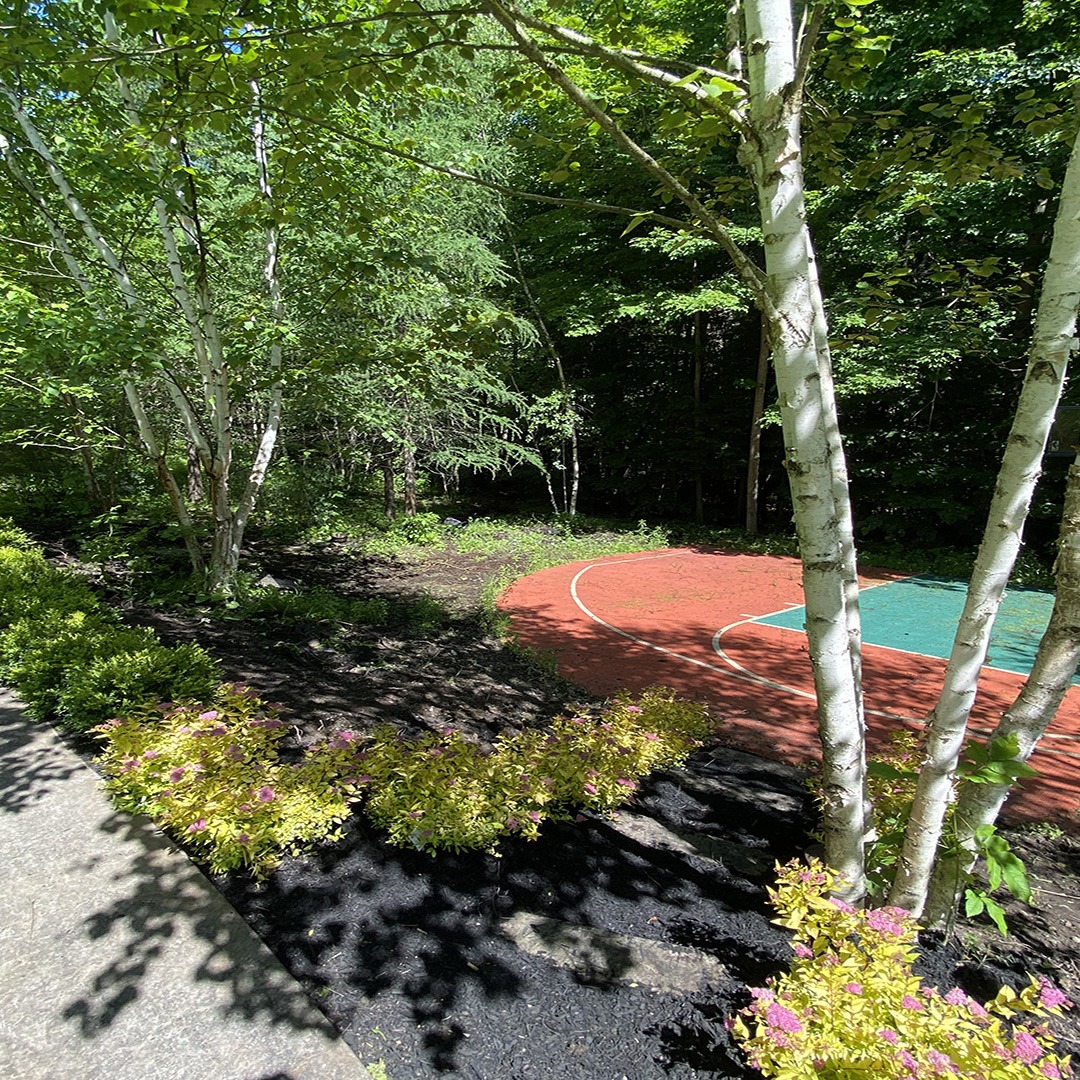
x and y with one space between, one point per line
164 896
27 775
409 955
137 919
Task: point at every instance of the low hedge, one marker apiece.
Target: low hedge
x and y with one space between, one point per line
69 656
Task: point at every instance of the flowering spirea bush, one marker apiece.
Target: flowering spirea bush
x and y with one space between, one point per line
850 1007
211 775
443 791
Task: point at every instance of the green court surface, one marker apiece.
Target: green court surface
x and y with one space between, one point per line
919 615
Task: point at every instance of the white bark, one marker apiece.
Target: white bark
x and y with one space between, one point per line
198 309
569 506
1055 329
1029 716
812 450
789 299
181 293
71 200
272 276
841 488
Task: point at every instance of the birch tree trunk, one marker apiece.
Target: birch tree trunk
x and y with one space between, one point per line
225 560
147 435
697 337
1055 329
205 407
570 497
1029 716
789 298
813 456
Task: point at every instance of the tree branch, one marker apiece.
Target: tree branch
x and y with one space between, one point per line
708 221
492 185
626 62
808 35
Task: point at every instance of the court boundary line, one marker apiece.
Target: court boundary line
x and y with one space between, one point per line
735 671
738 672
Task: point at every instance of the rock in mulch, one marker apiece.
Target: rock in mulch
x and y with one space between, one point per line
600 956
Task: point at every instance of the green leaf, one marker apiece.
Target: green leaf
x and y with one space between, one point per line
997 913
635 221
708 127
1001 772
1004 747
973 903
884 771
687 79
721 86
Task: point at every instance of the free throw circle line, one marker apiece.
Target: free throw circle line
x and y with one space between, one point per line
732 672
734 669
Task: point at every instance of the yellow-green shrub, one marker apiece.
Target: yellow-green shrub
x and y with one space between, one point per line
850 1007
14 537
68 655
31 588
212 776
37 654
439 791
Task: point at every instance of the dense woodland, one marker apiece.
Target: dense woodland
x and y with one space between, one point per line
362 246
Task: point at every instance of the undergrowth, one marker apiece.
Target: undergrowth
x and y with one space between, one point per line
69 656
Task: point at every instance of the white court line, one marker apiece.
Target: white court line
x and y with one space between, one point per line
736 670
874 645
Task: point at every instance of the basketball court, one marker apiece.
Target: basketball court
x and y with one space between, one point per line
726 628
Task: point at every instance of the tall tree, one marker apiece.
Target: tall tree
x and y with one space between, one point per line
765 107
1053 342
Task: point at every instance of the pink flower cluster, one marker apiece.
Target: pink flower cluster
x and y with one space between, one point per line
886 920
1050 997
782 1018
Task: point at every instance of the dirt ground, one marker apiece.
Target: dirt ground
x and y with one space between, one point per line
395 943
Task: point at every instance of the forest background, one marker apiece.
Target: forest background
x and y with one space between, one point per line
428 330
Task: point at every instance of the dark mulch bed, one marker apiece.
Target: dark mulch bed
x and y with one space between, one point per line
406 954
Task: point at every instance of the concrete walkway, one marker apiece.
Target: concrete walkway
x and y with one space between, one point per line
118 959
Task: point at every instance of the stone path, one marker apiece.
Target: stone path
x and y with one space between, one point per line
118 959
601 956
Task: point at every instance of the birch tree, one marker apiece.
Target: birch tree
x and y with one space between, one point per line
762 93
1053 341
763 104
156 131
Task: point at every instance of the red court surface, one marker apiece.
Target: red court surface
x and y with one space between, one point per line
681 618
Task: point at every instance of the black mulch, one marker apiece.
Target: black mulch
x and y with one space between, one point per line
405 955
404 952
